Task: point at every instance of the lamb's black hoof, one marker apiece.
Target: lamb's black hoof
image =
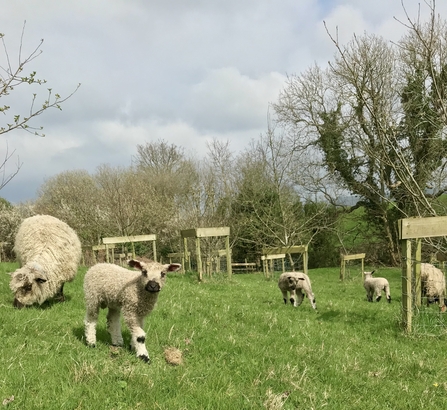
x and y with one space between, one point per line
145 359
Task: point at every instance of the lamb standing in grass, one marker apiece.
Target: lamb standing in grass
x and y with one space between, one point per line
375 286
122 290
295 283
49 253
432 283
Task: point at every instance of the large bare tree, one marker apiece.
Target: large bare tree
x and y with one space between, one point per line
376 119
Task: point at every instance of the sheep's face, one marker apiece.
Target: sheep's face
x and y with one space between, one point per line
294 282
28 284
153 275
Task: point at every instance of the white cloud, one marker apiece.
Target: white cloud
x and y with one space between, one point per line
227 100
185 71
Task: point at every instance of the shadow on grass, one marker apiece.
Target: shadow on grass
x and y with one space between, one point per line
102 335
357 318
330 315
48 304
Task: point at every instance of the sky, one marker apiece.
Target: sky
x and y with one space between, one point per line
186 72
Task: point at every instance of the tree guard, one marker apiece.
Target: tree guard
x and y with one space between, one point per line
415 229
125 239
266 252
198 233
345 258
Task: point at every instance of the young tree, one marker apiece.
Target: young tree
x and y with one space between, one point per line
14 75
267 209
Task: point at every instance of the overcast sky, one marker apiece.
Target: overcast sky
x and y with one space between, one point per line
182 71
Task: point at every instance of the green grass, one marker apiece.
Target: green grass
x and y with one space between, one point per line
242 349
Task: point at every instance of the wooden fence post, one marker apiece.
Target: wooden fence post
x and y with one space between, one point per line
406 285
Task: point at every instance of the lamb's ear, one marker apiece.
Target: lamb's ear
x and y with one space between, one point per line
372 272
133 263
301 279
172 267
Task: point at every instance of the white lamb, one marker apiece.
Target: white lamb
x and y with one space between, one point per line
122 290
375 286
432 283
49 253
295 283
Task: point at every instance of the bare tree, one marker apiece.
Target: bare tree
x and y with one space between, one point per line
268 209
75 197
124 198
376 119
170 174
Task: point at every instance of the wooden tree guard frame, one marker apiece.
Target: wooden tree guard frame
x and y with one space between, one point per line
269 254
345 258
125 239
415 229
267 263
96 248
199 233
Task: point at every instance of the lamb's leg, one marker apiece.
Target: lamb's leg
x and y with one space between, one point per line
138 338
378 295
91 318
300 297
293 297
388 295
284 296
114 326
311 298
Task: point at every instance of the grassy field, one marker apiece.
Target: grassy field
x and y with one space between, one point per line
242 349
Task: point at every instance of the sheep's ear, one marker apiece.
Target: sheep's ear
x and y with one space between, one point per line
172 267
133 263
40 277
372 272
39 274
40 280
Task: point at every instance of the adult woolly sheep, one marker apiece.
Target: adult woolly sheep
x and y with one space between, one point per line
432 283
122 290
49 253
295 283
375 286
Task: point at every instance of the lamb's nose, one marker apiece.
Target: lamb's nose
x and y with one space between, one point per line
152 286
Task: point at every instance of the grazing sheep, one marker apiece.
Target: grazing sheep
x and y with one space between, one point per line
432 283
295 283
123 290
49 253
375 286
